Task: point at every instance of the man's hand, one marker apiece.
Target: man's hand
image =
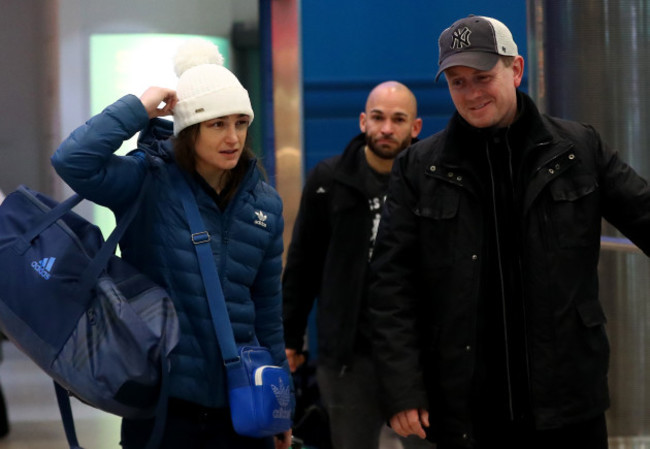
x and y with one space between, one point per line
283 440
410 422
153 97
294 358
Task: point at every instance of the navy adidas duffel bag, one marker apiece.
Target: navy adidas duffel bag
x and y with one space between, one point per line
102 330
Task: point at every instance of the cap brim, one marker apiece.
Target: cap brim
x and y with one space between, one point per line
478 60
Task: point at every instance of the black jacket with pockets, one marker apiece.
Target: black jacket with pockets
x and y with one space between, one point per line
428 263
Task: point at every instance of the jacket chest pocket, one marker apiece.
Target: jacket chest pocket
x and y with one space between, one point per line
574 211
437 210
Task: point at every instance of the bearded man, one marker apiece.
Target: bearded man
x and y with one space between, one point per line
328 257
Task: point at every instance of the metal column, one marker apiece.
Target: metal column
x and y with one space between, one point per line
287 100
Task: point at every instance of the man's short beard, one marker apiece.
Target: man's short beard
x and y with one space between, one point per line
387 154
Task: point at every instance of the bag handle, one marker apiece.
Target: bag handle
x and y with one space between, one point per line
201 241
24 241
98 264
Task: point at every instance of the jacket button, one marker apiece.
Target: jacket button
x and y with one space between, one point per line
468 348
474 257
465 436
432 168
572 156
450 174
551 171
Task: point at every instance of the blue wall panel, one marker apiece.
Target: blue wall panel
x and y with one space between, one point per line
350 46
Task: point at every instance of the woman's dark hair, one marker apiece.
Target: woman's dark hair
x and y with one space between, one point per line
186 159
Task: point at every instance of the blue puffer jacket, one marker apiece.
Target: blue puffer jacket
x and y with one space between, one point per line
248 253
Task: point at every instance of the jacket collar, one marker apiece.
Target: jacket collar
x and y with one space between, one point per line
463 147
347 167
528 132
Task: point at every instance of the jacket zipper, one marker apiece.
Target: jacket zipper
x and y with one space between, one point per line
519 207
225 217
501 280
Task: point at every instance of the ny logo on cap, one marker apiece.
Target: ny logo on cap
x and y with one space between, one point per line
461 38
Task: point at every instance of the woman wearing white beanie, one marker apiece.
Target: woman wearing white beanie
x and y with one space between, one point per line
208 141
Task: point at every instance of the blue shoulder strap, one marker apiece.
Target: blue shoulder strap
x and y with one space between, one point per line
65 409
201 241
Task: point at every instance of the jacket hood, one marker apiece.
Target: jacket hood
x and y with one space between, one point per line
348 160
155 139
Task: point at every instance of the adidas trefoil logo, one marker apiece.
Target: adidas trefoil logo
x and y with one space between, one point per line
44 267
261 218
321 189
283 395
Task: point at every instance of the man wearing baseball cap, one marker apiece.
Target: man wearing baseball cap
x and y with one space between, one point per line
484 290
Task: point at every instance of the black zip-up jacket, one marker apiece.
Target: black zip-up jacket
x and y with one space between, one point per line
430 259
328 257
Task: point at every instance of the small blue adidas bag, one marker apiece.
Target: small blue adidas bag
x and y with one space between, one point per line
259 394
93 323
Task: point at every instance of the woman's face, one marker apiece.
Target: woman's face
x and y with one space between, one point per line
219 144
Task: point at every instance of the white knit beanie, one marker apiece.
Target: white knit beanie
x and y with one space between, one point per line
206 89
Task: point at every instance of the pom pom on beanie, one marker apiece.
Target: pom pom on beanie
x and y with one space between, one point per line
206 89
195 52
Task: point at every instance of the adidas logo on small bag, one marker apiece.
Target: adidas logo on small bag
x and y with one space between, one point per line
283 396
44 266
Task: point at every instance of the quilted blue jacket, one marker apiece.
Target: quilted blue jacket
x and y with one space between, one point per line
247 251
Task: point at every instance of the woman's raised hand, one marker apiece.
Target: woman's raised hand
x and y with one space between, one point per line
159 101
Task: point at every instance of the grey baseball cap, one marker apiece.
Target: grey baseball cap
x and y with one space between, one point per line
476 42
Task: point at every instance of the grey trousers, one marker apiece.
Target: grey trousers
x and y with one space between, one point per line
351 400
